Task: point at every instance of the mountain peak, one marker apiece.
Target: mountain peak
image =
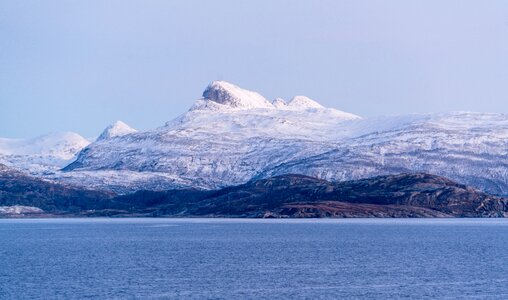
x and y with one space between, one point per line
302 102
118 128
43 152
228 94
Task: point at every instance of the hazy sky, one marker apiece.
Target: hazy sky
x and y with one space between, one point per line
80 65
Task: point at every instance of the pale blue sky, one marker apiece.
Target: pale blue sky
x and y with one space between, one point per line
80 65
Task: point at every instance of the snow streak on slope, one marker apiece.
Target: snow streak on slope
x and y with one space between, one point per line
42 154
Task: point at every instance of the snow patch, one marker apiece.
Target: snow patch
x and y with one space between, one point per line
19 210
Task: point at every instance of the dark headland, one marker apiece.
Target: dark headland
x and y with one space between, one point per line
408 195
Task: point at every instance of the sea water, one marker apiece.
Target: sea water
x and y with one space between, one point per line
253 259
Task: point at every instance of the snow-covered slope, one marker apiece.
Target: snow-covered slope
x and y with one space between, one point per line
118 128
42 154
233 135
471 148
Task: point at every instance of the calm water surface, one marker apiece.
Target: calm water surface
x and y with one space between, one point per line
246 259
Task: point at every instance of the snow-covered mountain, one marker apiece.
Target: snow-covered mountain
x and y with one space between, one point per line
118 128
227 137
232 135
43 154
